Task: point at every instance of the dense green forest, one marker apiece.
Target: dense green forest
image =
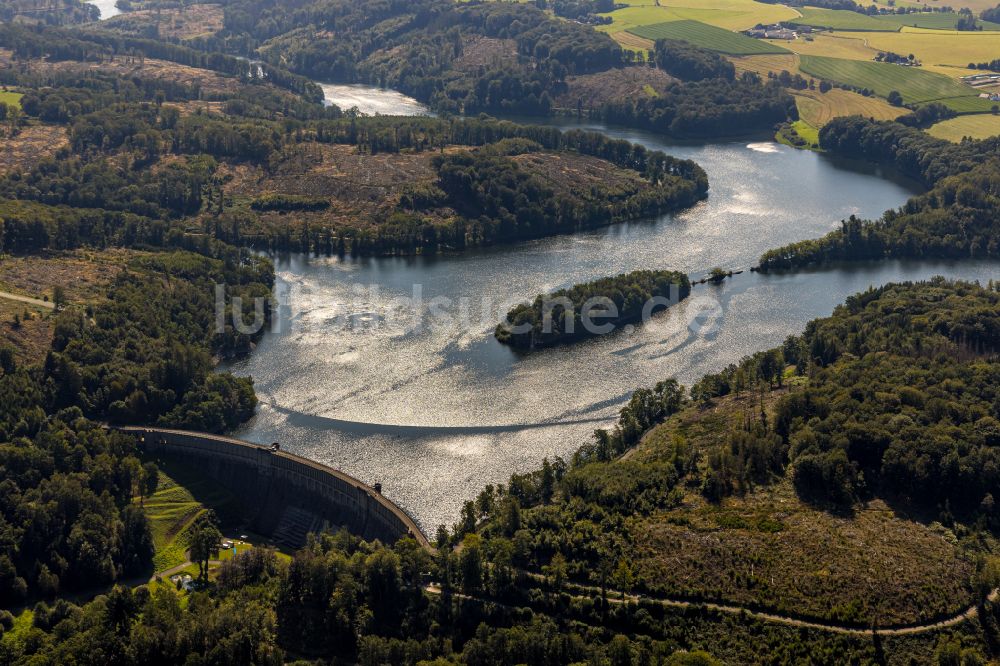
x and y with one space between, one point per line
606 304
143 356
690 63
955 219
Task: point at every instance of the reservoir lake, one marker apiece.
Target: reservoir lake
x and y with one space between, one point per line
362 372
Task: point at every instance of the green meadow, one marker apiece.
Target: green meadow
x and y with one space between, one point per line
708 37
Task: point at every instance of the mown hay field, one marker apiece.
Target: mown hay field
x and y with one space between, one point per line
818 108
762 64
847 45
933 21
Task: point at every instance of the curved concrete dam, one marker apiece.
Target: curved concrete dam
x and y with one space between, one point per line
286 496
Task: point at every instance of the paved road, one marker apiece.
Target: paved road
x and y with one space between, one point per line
616 597
27 299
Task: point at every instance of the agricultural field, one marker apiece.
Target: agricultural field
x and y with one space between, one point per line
818 108
934 21
838 19
913 84
841 19
847 45
978 126
975 5
939 47
727 14
969 105
632 42
762 64
708 37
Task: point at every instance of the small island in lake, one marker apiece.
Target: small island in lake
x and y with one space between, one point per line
591 308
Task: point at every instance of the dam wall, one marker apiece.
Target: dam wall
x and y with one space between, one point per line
285 496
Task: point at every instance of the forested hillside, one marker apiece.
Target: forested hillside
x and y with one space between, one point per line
230 154
142 347
491 57
957 218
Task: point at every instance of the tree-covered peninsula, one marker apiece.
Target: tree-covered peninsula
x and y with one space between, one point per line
955 219
591 308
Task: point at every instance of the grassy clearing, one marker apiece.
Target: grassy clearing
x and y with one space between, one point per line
818 108
709 37
913 84
978 126
807 132
799 134
11 98
181 497
770 548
